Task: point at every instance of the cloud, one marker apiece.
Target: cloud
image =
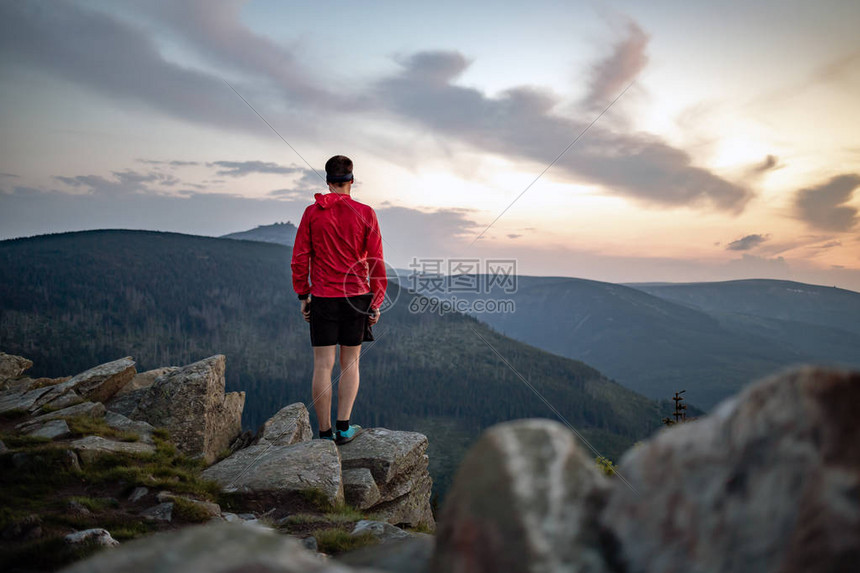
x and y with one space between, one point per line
242 168
514 235
746 243
120 60
610 75
123 182
286 194
824 206
9 175
770 163
169 163
521 124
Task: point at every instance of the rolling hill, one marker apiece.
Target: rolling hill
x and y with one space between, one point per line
278 233
656 346
70 301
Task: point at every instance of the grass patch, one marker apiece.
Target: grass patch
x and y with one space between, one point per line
95 503
422 528
605 465
303 519
189 511
81 426
336 540
15 441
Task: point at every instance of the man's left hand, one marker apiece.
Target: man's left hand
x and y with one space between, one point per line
306 309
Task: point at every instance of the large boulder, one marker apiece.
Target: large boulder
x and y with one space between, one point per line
214 548
99 384
90 448
20 399
85 409
190 402
290 425
525 498
397 464
266 476
768 482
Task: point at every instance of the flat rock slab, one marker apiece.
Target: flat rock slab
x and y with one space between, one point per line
290 425
213 548
20 399
52 430
265 475
379 529
88 409
119 422
144 380
99 384
384 452
91 447
525 498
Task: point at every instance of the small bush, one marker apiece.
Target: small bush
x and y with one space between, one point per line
605 465
189 511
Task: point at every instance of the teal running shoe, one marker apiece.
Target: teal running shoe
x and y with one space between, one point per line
344 437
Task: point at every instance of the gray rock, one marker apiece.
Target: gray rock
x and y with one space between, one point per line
768 482
126 403
20 399
230 517
89 409
385 453
99 384
411 555
97 536
160 512
213 548
119 422
144 380
26 528
379 529
310 543
138 493
12 366
247 517
91 448
70 461
359 489
398 465
77 507
53 429
270 476
525 498
289 426
55 400
190 402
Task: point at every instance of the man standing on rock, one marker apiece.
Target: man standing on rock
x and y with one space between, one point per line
339 245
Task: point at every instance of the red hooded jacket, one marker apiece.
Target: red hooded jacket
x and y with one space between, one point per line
339 245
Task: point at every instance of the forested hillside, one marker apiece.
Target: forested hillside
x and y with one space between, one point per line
71 301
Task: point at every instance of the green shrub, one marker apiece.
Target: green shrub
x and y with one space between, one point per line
337 540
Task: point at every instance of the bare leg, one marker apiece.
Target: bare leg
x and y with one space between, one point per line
321 389
348 386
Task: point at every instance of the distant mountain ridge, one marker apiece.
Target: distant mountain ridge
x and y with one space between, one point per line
278 233
656 345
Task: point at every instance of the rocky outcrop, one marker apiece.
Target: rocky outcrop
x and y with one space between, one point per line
525 498
768 482
398 486
191 404
290 425
265 476
12 366
85 409
90 448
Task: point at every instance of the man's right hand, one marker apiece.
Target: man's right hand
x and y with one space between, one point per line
374 316
306 309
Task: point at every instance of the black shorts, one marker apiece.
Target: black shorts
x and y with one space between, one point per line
340 320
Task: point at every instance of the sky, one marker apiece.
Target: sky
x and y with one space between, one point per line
622 141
